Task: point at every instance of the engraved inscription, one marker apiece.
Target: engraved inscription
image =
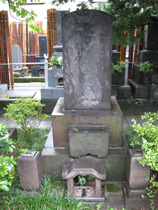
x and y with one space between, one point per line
89 144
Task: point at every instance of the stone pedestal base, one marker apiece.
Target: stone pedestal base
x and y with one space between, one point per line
48 92
61 122
30 168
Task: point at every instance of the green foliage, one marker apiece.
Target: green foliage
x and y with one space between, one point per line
33 142
149 134
133 139
152 191
50 196
145 67
127 16
27 113
108 208
7 161
81 180
118 67
56 62
18 7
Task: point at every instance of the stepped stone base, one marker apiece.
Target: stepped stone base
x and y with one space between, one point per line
62 120
139 91
48 92
115 163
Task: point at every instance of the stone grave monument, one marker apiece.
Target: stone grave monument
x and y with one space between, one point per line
16 56
145 85
87 123
38 69
53 88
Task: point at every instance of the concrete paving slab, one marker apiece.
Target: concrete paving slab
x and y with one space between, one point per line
13 94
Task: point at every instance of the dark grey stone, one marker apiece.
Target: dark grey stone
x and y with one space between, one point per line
154 79
149 55
139 91
87 53
154 92
86 139
59 15
115 56
139 77
36 71
39 59
16 56
150 39
124 92
43 45
118 78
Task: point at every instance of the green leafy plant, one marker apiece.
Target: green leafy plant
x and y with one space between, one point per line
48 197
98 206
81 180
7 161
27 113
55 62
118 67
133 139
148 131
145 67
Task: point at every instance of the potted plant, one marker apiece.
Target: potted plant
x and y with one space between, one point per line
118 73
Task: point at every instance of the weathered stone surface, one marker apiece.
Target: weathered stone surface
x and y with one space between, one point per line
124 92
61 122
87 52
113 192
150 39
136 173
115 56
43 45
86 139
16 55
139 91
59 16
30 168
54 158
154 92
55 75
149 55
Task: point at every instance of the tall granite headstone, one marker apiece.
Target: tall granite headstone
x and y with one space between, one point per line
16 55
87 53
43 45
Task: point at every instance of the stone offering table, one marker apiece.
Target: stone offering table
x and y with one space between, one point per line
84 167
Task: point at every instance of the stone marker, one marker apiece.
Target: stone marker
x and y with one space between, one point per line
16 55
87 56
43 45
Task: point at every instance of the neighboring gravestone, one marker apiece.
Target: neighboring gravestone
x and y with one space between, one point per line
16 56
59 15
87 52
43 45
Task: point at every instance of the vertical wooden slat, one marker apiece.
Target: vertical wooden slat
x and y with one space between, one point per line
9 50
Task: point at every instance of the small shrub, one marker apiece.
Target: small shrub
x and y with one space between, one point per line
27 113
55 62
149 134
118 67
133 139
145 67
7 161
